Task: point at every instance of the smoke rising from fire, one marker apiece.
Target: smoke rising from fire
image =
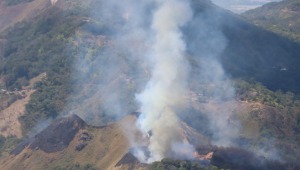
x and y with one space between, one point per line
167 85
53 2
155 53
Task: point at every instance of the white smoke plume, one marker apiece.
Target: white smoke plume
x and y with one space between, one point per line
153 43
164 92
53 2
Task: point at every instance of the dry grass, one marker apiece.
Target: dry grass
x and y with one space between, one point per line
106 148
9 117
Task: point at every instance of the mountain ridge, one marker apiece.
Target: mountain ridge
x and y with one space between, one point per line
278 17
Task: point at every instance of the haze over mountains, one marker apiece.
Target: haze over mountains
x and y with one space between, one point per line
236 94
239 6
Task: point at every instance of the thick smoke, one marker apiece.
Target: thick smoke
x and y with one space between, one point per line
53 2
168 84
109 73
154 53
206 42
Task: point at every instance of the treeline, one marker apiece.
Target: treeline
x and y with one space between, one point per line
256 92
282 106
76 167
272 17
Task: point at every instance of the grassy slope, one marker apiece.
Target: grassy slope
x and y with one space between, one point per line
106 148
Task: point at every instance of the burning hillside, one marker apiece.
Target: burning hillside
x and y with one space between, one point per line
164 58
105 147
69 137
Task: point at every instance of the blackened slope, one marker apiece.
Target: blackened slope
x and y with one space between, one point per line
130 162
239 159
264 56
21 146
56 137
250 53
128 158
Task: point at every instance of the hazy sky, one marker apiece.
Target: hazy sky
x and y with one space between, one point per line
239 6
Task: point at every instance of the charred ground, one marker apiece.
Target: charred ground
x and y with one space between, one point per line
55 137
251 54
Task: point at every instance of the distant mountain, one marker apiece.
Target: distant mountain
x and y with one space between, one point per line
251 52
279 17
241 6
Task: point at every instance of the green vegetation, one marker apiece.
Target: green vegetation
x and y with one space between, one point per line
76 167
38 46
46 44
169 164
256 92
7 144
286 104
274 116
279 17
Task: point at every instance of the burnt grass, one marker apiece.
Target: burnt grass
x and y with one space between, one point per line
61 132
55 137
128 158
241 159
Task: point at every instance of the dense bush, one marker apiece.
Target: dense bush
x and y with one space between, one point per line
7 144
35 47
170 164
272 17
76 167
256 92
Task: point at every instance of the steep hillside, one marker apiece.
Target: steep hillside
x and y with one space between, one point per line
82 145
250 52
14 106
281 18
12 12
241 6
78 143
68 32
89 75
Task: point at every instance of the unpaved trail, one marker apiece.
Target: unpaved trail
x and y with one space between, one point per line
9 117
